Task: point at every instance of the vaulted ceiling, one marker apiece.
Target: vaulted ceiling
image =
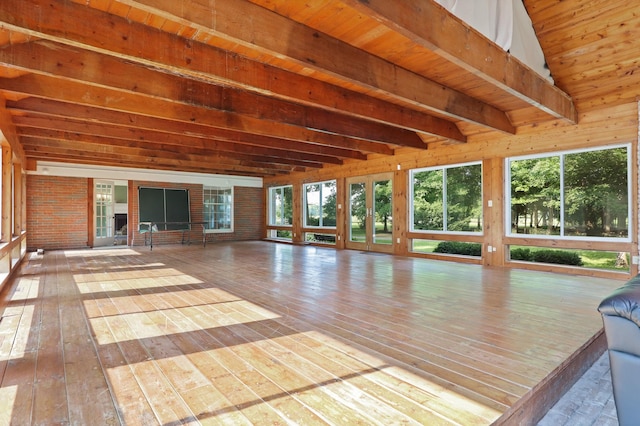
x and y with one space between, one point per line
266 87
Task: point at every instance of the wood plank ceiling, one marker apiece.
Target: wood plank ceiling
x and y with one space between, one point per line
266 87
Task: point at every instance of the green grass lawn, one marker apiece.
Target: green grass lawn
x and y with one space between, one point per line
590 258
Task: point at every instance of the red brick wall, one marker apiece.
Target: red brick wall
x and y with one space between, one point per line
57 213
248 216
57 216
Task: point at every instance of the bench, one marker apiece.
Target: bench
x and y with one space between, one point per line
149 228
323 238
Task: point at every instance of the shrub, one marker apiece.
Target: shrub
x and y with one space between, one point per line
455 247
521 253
558 257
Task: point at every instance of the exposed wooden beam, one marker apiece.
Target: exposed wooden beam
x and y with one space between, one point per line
8 130
73 92
56 60
456 41
92 145
88 28
200 168
162 143
47 148
130 124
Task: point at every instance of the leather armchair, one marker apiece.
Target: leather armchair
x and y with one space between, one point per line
621 318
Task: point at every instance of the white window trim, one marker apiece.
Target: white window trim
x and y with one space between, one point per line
270 218
304 203
221 231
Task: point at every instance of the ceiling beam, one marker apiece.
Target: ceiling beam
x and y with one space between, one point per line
457 42
59 129
92 145
9 132
43 150
74 24
60 61
79 93
132 124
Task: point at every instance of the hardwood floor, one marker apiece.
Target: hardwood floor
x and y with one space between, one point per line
264 333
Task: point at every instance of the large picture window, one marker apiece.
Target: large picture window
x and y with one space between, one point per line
571 194
447 199
281 205
320 204
218 209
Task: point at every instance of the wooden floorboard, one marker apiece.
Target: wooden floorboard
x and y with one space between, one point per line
265 333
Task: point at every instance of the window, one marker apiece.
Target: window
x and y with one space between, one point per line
281 205
218 209
572 194
320 204
447 199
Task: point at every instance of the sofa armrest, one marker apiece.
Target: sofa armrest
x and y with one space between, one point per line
624 302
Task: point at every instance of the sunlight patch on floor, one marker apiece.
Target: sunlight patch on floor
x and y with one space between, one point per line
7 401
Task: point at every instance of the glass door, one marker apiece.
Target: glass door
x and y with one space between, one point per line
104 214
370 219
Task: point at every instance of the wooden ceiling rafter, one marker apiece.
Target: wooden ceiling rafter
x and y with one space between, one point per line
460 44
164 144
256 32
59 61
89 147
82 94
205 168
196 60
130 124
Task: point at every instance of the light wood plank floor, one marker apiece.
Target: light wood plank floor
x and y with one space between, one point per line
264 333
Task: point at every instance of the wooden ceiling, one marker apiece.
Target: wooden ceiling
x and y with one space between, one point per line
267 87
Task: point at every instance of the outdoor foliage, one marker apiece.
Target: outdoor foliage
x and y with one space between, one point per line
595 189
383 193
281 210
560 257
456 247
448 199
321 199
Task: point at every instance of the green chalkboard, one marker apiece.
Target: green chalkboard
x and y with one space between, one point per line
160 205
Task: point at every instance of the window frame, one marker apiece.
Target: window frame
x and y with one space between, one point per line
305 204
271 216
507 191
231 209
411 197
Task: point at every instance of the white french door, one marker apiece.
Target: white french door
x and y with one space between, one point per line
104 217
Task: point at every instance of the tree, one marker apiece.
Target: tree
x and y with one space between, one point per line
535 193
596 190
464 197
428 213
329 203
462 206
358 202
383 193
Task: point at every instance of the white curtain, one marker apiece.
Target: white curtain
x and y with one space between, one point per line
506 23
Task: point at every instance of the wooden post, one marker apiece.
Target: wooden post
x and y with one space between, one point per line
493 212
297 225
7 190
400 213
18 202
